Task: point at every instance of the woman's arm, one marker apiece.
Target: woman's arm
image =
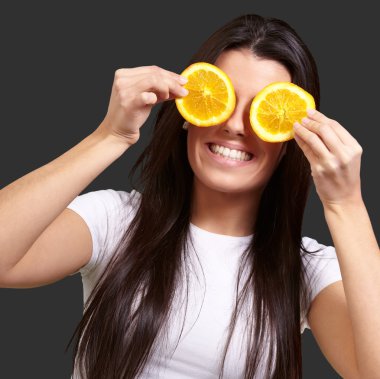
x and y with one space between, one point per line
359 260
29 204
335 158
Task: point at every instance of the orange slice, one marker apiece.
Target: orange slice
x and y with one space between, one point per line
276 108
211 99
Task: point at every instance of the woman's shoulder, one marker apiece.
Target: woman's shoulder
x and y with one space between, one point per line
110 199
315 253
120 198
113 195
321 264
312 245
320 267
107 213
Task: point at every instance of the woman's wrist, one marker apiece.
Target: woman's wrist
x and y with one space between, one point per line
105 133
349 211
351 205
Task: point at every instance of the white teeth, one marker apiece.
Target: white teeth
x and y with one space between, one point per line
230 153
226 152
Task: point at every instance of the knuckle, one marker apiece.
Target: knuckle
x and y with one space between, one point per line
334 166
119 72
312 139
125 101
328 167
319 170
345 161
155 68
123 104
312 125
339 166
122 97
355 151
358 150
153 80
324 129
118 84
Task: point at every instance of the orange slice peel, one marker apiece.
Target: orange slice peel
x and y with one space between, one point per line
276 108
211 98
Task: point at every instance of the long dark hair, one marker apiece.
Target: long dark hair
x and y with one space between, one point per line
129 306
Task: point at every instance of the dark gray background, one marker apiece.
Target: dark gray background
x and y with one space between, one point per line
57 66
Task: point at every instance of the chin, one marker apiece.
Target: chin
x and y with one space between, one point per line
227 185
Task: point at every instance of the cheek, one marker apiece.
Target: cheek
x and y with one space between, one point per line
190 147
274 152
192 152
193 144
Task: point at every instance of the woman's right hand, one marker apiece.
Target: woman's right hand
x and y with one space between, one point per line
134 93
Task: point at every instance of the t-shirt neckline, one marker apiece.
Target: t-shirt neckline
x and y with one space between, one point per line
220 236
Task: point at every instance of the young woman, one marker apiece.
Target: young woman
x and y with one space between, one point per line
202 272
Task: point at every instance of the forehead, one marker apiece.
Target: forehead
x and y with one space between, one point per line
249 73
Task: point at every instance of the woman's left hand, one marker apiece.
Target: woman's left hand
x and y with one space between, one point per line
334 157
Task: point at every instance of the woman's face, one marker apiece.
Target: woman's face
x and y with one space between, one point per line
249 75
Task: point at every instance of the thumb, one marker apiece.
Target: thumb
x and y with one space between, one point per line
148 98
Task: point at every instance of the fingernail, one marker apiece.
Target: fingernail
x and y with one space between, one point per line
296 125
183 80
184 91
310 112
305 121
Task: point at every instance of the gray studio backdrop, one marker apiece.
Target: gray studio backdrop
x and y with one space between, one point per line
57 67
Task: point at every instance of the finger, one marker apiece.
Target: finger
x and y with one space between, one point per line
164 89
316 145
166 86
326 133
311 157
148 98
145 70
170 88
180 92
169 74
340 131
181 79
317 116
124 83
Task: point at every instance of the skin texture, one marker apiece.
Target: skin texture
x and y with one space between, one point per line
226 198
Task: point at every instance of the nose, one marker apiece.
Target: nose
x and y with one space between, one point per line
238 123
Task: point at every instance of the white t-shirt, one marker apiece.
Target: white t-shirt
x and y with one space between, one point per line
211 300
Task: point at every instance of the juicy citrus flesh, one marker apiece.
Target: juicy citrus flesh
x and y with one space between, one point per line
211 99
276 108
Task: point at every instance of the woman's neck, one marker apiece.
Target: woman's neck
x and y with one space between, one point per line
232 214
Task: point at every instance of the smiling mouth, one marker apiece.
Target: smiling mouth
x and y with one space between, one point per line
235 155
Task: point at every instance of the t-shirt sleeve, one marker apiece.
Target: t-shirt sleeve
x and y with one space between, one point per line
106 213
321 269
